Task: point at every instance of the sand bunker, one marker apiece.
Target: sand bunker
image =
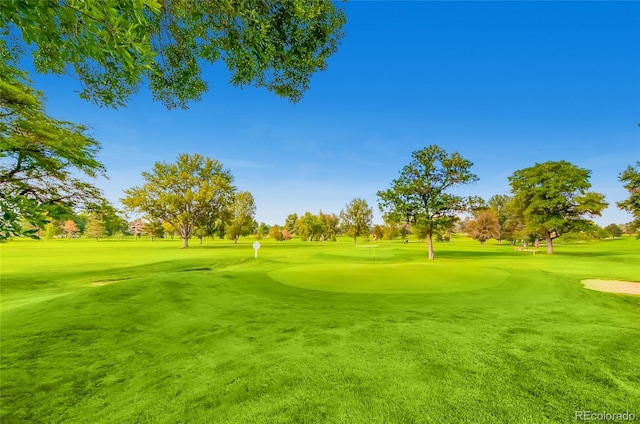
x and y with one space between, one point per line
613 286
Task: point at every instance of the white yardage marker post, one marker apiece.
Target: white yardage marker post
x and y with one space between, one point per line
256 246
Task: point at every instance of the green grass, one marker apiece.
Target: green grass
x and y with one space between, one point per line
320 332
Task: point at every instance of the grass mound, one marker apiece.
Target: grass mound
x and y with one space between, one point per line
390 278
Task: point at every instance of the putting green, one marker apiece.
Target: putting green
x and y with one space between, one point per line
390 278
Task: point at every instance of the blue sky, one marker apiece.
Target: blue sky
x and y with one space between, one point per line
506 84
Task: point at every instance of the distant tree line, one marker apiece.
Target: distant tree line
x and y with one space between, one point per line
195 197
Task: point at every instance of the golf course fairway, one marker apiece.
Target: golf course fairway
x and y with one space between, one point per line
135 331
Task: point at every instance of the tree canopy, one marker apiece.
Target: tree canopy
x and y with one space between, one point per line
112 46
309 226
356 218
420 195
484 227
181 193
554 196
242 213
42 159
631 179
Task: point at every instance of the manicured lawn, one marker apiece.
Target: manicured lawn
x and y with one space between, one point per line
140 331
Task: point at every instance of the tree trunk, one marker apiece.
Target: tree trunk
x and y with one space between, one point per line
185 242
355 240
430 243
235 239
200 239
547 236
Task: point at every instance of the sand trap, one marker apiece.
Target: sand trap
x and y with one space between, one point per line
613 286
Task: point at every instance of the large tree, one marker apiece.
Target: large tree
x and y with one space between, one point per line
499 204
70 227
356 218
484 227
241 216
631 179
420 195
290 222
555 196
112 46
614 230
309 227
181 193
42 160
330 223
136 227
95 227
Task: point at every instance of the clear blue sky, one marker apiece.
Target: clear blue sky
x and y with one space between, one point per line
506 84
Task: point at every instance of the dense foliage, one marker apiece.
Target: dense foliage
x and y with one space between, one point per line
631 179
112 46
357 218
554 196
183 192
420 195
42 159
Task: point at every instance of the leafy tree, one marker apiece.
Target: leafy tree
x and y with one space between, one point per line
53 229
420 195
286 235
112 46
95 227
290 222
168 229
242 211
309 227
514 227
356 218
420 232
501 206
201 231
484 227
136 227
70 227
276 233
330 224
378 231
614 230
153 227
261 230
114 223
42 159
211 223
404 229
477 205
390 231
631 178
181 193
554 196
81 220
